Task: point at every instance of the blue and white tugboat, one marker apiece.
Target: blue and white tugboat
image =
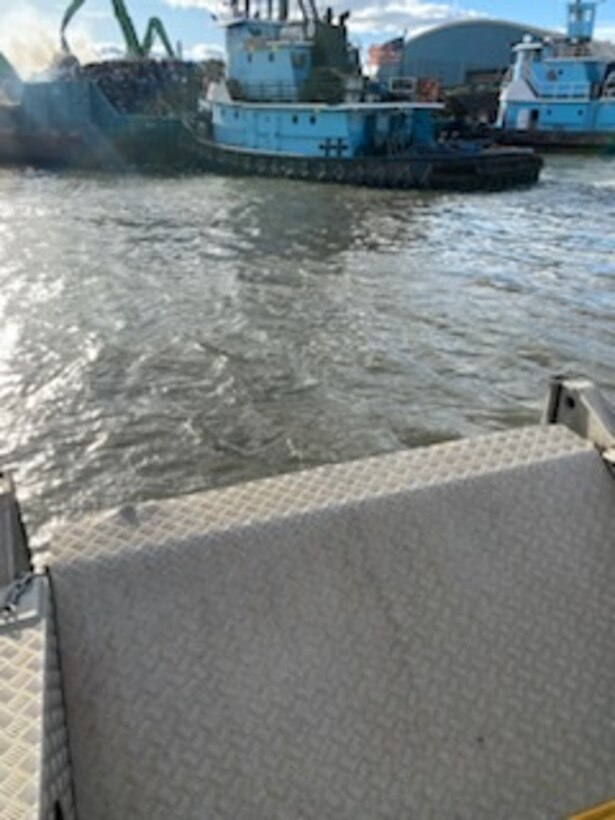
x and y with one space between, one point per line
295 104
560 93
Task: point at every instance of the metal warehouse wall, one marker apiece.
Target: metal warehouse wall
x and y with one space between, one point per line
450 51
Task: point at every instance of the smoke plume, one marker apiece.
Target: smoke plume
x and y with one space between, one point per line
31 40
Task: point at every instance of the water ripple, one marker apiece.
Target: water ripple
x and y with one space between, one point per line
164 335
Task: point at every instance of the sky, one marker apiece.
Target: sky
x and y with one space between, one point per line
29 28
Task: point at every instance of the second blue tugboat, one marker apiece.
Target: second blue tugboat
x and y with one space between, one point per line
560 92
295 104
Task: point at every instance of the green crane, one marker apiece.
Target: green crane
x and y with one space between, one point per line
134 49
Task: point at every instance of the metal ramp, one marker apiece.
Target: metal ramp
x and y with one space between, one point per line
422 635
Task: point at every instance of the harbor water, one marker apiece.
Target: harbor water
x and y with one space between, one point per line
165 335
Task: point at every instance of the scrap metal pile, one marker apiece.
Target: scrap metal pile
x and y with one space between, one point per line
139 84
153 87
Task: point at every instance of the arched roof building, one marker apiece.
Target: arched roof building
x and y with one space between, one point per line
451 51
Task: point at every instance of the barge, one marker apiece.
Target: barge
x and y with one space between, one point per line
118 115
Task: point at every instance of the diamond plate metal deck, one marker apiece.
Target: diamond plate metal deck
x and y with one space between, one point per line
424 635
14 557
22 664
35 773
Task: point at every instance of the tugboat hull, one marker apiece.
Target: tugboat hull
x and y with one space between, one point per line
558 140
489 169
